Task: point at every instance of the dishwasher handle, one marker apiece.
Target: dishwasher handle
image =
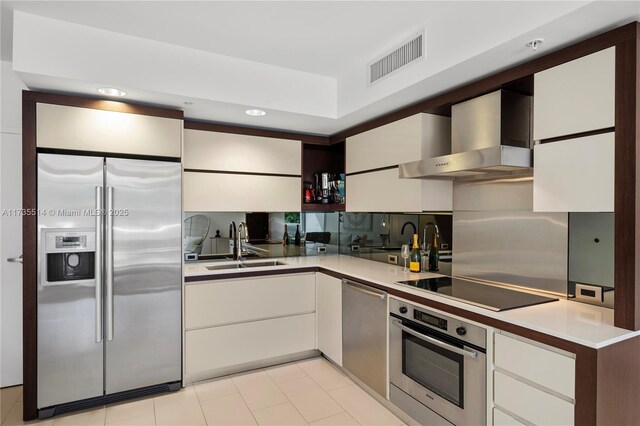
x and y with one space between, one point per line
365 289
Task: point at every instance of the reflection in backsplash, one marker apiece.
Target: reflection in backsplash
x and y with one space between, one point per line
266 232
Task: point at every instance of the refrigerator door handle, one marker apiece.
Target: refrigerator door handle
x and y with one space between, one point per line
108 265
98 263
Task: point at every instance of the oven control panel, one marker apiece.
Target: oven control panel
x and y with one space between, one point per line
433 320
450 325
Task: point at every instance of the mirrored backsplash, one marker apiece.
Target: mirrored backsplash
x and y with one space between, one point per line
368 235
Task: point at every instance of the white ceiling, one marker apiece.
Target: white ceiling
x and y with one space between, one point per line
305 62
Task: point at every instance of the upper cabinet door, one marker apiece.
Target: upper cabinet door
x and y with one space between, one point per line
205 150
383 191
575 175
399 142
575 97
84 129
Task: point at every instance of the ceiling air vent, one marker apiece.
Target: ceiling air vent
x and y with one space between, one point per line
396 59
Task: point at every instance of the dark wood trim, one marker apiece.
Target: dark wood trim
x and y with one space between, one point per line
255 131
103 104
228 172
29 262
326 208
619 383
107 154
579 135
498 80
254 273
378 169
627 185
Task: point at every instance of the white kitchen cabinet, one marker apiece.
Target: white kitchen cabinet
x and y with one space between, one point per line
383 191
532 382
329 315
231 322
214 303
575 97
531 403
205 150
575 175
85 129
550 369
399 142
223 192
210 350
500 418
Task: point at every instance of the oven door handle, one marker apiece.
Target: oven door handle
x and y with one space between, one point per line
470 354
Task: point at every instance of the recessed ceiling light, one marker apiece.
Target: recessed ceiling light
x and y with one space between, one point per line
255 112
111 91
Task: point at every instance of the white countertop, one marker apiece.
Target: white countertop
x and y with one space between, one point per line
584 324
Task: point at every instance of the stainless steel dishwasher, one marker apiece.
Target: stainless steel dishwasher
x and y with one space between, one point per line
364 334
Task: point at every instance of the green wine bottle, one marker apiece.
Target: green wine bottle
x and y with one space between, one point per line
434 255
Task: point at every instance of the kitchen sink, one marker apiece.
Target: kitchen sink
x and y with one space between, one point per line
259 264
245 265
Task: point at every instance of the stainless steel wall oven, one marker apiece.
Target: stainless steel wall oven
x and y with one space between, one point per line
439 362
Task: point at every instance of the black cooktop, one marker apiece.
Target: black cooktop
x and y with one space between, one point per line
479 294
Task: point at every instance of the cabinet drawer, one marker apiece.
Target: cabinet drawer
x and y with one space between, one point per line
85 129
575 97
213 348
531 404
240 153
222 192
544 367
575 175
500 418
248 299
383 191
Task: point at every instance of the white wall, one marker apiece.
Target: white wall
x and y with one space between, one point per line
10 226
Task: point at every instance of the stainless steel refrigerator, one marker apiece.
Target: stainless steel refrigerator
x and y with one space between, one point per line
109 280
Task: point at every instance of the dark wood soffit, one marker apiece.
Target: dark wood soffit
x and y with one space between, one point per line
103 104
29 267
254 131
496 81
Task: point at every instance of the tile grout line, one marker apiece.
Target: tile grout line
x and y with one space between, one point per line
199 404
285 395
244 400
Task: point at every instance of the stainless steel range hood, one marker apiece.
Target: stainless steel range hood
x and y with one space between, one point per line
490 136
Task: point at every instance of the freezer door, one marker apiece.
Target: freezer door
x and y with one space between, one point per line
143 316
70 360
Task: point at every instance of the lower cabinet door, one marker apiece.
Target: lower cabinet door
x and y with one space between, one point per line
500 418
329 311
214 348
530 403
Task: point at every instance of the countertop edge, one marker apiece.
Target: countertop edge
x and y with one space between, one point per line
521 328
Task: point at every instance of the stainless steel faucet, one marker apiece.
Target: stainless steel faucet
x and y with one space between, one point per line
412 225
243 237
424 234
233 234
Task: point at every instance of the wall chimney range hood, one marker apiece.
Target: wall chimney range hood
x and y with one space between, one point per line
490 136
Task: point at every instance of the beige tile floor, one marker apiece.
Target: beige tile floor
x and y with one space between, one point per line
299 393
